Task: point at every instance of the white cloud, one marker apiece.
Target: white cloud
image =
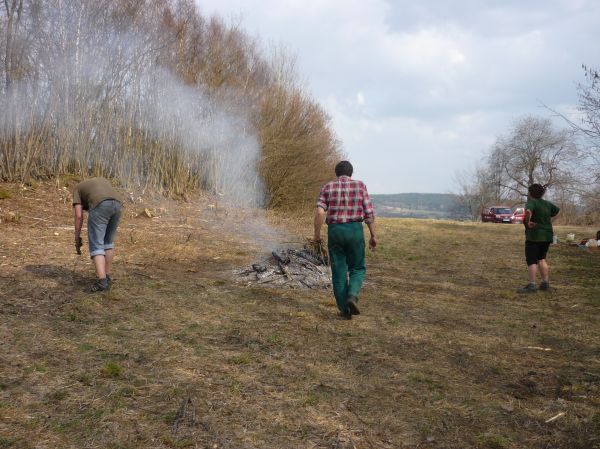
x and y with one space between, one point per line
435 79
421 53
360 98
403 153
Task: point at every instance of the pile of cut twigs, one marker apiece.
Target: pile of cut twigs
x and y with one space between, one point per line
293 268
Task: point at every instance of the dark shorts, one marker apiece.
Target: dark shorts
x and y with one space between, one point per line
102 226
535 251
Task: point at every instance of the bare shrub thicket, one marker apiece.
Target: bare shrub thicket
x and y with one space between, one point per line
154 95
299 149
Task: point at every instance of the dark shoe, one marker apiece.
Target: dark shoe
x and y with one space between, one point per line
545 286
345 315
529 288
101 285
109 279
352 306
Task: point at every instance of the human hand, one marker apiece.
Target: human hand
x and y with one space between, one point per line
531 224
373 243
78 245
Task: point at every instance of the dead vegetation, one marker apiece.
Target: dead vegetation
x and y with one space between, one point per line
291 268
444 355
156 94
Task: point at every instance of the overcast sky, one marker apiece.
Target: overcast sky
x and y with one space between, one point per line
420 89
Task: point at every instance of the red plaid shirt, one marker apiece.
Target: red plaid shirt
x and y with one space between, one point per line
346 200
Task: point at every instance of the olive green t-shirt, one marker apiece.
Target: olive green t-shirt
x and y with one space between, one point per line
91 192
541 213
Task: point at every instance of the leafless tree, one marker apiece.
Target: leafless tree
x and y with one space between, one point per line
589 105
152 93
534 151
478 188
13 10
588 123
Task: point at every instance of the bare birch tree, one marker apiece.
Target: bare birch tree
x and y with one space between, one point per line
13 10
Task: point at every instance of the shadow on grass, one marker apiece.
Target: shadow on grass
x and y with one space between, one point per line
55 272
61 274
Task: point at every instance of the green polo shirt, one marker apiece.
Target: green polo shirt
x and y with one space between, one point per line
542 212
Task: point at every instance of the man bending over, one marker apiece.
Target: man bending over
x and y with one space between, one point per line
103 203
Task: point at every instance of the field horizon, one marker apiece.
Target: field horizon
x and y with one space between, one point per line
444 206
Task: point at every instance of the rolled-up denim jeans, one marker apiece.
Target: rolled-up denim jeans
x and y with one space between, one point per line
102 226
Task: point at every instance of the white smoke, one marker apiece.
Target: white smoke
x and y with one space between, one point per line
201 125
89 80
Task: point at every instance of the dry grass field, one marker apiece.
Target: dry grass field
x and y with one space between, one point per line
179 355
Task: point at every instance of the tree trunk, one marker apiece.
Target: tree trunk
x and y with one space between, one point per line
13 13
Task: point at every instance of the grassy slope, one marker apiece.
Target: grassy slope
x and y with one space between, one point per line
443 356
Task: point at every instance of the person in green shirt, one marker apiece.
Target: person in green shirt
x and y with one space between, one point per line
539 215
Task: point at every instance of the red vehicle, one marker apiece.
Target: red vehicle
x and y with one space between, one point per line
518 215
497 214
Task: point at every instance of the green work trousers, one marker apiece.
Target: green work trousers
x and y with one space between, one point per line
346 244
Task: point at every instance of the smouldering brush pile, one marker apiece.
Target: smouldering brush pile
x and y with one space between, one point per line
291 268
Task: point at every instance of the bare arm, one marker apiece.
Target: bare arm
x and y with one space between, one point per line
78 219
373 239
319 220
527 220
369 219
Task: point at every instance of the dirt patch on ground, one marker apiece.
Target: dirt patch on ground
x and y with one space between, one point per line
444 355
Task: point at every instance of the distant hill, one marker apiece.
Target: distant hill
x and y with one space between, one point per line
420 205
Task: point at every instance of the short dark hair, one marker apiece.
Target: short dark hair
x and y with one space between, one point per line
537 190
344 168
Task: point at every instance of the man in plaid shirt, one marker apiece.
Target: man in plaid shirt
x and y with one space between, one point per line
344 204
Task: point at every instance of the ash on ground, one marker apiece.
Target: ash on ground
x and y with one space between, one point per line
291 268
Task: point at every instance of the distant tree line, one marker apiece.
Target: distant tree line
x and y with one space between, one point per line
154 94
420 205
535 150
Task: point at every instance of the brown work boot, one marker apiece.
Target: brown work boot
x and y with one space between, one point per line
101 285
345 315
352 306
529 288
